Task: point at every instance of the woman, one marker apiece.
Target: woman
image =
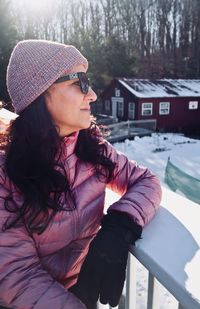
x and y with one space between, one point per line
54 171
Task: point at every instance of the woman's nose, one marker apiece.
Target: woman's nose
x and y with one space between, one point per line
91 95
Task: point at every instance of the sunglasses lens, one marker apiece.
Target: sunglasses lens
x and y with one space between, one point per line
84 83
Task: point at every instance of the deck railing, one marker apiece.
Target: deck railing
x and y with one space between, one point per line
170 251
129 129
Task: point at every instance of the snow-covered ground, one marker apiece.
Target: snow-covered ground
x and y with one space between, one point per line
153 152
183 152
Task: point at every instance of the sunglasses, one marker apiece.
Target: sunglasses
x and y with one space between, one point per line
83 79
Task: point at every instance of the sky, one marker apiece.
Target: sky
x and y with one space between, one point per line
33 4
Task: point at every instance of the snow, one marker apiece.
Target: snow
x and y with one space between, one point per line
153 152
6 114
145 88
5 117
183 152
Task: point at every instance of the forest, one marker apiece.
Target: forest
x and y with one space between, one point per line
129 38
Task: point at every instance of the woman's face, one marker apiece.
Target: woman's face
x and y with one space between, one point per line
68 106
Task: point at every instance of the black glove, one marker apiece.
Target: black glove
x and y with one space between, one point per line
104 269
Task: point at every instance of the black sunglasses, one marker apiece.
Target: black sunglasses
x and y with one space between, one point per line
83 79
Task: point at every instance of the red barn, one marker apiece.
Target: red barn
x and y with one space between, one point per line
174 103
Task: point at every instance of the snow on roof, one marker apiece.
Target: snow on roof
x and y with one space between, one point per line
146 88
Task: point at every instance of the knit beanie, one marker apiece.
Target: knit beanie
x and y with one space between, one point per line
35 65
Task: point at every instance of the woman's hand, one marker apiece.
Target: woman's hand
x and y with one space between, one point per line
104 269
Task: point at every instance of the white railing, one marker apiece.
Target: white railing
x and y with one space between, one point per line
129 129
170 251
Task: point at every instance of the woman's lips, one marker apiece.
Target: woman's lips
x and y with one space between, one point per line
85 109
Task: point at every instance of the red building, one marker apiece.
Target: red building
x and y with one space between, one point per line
174 103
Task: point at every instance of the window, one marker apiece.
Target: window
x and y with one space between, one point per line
193 105
107 105
117 92
131 110
120 109
147 109
164 108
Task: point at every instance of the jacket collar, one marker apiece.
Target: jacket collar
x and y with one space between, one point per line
69 143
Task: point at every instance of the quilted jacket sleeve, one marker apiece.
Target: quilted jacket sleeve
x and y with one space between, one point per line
139 188
24 284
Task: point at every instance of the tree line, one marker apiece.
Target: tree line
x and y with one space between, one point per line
132 38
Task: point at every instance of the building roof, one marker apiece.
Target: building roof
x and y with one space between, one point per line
146 88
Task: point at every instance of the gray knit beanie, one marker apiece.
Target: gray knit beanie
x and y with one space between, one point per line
35 65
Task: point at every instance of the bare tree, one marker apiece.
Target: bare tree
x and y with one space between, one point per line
148 31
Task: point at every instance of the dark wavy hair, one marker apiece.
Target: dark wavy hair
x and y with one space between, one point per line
32 164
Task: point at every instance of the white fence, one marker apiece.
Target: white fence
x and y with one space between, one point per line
128 129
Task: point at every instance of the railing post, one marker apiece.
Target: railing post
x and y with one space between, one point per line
129 131
130 301
153 293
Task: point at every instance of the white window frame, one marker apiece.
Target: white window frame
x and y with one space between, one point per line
164 108
147 106
117 92
193 105
107 105
120 109
131 111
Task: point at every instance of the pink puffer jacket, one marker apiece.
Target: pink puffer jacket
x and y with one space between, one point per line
37 270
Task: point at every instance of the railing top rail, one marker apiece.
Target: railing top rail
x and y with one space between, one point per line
131 122
170 248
